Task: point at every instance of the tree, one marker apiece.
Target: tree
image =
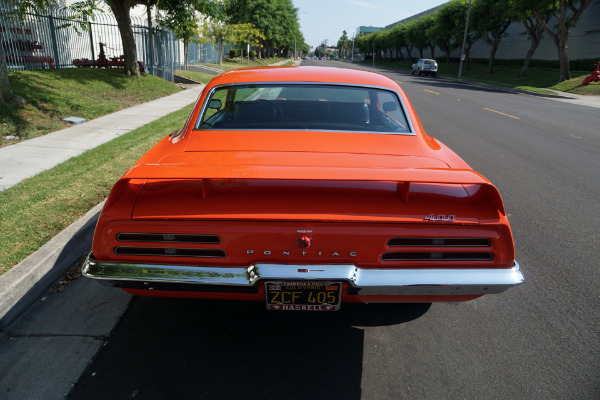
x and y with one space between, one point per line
416 36
441 33
321 50
122 8
533 28
398 38
460 20
344 44
242 34
426 23
567 13
493 19
277 20
183 22
218 32
83 12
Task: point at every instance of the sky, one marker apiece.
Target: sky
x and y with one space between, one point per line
327 19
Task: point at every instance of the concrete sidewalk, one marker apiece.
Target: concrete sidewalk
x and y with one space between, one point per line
47 341
27 281
26 159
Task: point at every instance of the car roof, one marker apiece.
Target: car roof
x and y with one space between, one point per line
304 74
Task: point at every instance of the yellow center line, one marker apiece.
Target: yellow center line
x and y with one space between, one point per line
498 112
430 91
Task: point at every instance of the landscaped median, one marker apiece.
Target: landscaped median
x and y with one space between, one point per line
38 208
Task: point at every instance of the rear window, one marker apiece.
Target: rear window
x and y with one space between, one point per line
430 62
303 107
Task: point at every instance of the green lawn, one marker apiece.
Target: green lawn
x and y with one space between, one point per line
537 79
195 76
227 66
35 210
54 94
235 64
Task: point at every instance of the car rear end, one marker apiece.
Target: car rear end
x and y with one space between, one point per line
369 239
304 195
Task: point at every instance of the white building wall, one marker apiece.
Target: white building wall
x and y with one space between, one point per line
584 40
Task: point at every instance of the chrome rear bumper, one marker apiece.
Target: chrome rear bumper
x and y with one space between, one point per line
362 281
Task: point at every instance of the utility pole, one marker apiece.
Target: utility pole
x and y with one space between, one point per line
373 42
462 52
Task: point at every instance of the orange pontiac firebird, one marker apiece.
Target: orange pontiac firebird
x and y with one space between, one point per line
304 188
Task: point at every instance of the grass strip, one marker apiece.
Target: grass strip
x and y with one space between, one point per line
195 76
35 210
235 64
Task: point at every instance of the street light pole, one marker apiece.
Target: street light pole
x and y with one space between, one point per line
373 41
462 51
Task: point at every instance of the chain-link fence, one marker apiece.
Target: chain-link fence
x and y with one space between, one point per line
201 53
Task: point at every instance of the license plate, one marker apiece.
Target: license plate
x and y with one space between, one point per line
303 295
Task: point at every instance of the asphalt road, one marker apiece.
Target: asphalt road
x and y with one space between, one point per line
537 341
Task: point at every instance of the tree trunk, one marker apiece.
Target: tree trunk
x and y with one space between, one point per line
121 10
220 51
399 56
563 59
492 57
185 54
6 93
432 48
408 51
527 60
467 58
151 40
565 20
535 34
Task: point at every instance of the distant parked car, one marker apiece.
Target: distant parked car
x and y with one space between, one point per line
425 66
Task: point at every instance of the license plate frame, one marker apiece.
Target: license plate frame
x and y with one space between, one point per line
303 295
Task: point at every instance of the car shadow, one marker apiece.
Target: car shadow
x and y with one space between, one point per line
188 349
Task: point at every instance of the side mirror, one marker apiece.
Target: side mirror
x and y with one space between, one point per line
390 106
215 104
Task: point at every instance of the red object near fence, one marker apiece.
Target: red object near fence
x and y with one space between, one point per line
39 60
594 77
104 62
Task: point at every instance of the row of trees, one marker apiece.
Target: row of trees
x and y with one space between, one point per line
270 25
445 28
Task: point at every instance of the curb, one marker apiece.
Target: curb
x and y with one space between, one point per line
30 279
183 79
